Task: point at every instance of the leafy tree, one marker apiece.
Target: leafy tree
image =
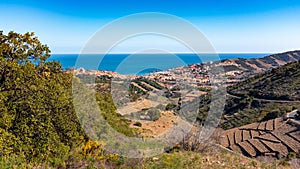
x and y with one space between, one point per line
23 48
272 115
36 112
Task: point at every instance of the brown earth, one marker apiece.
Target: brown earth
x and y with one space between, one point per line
158 127
276 137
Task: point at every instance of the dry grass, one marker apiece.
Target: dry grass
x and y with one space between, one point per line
224 141
212 159
137 106
158 127
277 123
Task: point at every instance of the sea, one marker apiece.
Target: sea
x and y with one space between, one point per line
141 64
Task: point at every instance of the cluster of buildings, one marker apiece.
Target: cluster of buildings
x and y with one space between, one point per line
195 75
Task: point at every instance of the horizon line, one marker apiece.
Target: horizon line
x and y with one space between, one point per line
128 53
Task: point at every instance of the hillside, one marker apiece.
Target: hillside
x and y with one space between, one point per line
264 100
267 62
262 97
278 84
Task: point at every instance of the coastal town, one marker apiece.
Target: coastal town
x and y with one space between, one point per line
167 90
199 75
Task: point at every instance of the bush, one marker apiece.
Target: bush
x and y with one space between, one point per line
292 155
283 163
171 106
272 115
154 114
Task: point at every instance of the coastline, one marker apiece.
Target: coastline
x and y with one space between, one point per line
143 64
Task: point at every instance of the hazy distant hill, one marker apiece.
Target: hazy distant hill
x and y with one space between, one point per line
255 65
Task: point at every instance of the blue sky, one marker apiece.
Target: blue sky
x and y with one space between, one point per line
261 26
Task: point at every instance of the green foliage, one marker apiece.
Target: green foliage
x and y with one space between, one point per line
135 93
272 115
292 155
117 121
204 89
283 162
152 83
278 84
154 114
171 106
38 122
236 115
139 82
23 48
37 118
245 109
255 98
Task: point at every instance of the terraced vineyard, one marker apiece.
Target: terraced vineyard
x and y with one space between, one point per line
274 137
146 85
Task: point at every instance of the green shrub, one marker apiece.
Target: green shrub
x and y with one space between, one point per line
283 162
272 115
171 106
292 155
154 114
